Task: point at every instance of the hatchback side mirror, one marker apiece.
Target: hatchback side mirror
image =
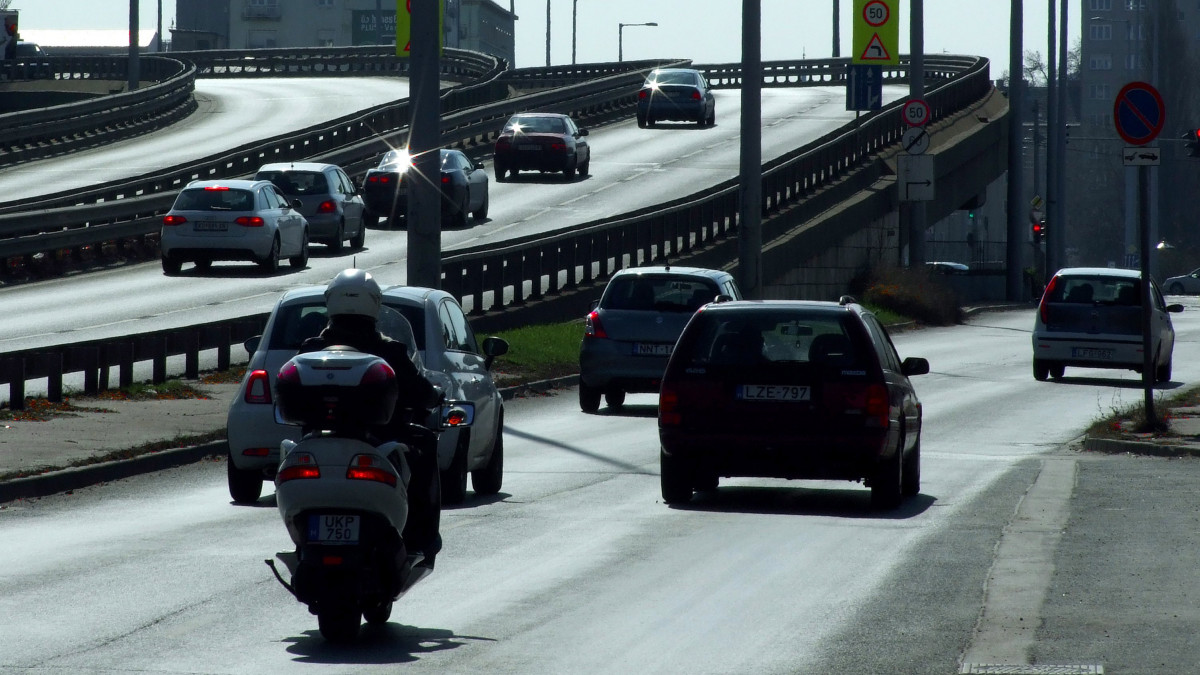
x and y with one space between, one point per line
1175 309
583 132
251 344
914 365
479 166
297 204
493 347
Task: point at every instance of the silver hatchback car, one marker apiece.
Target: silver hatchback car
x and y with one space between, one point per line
632 329
328 199
442 345
1092 317
232 220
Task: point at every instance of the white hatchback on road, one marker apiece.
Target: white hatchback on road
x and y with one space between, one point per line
440 342
1092 317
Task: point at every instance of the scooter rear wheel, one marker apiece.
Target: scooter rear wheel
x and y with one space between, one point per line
378 614
339 622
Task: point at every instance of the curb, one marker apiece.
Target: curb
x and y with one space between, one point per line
1114 446
74 478
65 480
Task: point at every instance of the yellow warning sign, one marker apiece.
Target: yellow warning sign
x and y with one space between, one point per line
404 27
876 32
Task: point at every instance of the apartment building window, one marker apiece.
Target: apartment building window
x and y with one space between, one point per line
1100 92
325 37
325 3
1100 62
262 39
1100 31
1100 5
1135 4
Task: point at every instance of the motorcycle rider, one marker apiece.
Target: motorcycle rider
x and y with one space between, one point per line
352 305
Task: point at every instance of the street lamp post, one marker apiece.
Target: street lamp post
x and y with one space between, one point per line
621 37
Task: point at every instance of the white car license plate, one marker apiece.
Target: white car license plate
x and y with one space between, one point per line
773 392
1091 353
649 349
333 529
211 226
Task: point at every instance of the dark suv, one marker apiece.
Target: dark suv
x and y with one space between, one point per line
789 389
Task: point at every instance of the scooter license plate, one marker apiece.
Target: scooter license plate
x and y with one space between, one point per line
333 529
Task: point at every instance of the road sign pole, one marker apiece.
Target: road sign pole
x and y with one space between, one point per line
1148 370
749 272
916 89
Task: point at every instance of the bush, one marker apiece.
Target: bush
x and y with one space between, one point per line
912 293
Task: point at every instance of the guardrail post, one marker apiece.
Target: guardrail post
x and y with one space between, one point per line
223 346
54 376
16 383
158 355
90 357
125 361
191 367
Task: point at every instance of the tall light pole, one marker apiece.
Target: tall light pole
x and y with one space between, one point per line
621 37
547 33
574 17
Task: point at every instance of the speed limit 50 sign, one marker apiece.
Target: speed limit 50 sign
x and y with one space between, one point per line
916 113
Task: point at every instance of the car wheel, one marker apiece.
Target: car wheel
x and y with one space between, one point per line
910 475
360 238
586 167
335 244
641 121
488 480
460 218
1163 372
712 118
171 266
569 172
707 482
676 483
338 621
886 483
500 173
614 398
271 262
203 264
480 214
589 398
1057 370
1176 288
379 614
245 485
300 260
454 479
649 121
1040 370
370 219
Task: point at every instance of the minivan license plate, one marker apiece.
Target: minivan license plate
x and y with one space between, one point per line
773 392
333 529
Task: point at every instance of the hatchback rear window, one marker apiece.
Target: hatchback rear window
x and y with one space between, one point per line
296 323
1099 289
294 183
544 125
201 199
662 294
749 338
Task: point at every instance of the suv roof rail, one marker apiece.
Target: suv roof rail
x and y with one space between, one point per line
847 300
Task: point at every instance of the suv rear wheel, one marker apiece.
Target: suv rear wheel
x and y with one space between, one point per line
910 475
886 484
676 479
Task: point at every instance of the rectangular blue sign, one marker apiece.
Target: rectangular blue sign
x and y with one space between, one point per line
864 87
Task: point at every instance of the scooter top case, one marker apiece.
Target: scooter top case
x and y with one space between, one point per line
323 474
337 389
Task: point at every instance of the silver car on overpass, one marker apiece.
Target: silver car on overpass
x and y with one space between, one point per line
442 345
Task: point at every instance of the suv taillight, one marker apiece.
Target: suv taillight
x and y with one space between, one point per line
592 326
878 405
258 387
668 407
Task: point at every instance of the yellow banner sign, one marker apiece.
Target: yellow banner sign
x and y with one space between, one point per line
404 26
876 32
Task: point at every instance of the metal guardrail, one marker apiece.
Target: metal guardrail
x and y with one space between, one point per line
489 279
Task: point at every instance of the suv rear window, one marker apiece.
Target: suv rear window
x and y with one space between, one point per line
748 338
658 293
201 199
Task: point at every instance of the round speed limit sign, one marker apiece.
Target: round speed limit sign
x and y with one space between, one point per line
916 113
876 13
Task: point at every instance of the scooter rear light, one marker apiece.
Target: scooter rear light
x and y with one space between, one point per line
258 387
370 467
298 466
593 327
379 372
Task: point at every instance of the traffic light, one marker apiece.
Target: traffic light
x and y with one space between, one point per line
1039 231
1191 140
9 35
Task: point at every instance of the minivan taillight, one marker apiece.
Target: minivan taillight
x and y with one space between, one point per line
668 407
258 387
592 326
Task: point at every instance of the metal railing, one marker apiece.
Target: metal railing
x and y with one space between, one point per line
492 279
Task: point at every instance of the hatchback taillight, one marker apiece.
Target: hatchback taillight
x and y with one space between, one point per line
643 94
1042 309
592 326
696 96
250 221
502 143
371 468
445 179
258 387
558 147
174 220
327 206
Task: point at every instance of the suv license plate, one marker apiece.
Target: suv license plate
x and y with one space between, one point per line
773 392
333 529
646 349
1091 353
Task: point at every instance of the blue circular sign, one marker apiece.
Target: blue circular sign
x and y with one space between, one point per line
1139 113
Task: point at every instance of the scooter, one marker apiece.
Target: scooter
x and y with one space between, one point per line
344 498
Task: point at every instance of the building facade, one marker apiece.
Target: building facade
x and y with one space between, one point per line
477 25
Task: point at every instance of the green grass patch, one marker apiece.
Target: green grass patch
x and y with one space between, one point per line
541 352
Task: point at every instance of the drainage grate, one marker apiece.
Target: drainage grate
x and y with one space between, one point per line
1002 669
